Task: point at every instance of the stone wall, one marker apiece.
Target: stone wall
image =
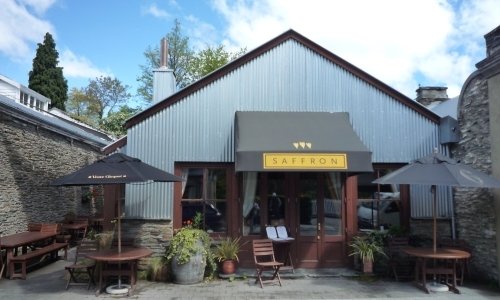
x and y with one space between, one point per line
474 208
154 235
423 228
30 158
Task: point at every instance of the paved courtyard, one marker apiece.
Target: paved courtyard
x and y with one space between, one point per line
49 283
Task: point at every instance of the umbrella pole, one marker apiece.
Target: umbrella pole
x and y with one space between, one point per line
434 225
435 286
119 240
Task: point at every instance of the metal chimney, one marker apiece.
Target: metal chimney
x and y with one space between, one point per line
163 77
164 53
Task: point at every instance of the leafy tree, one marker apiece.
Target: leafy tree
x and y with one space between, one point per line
113 123
107 93
187 65
46 77
210 59
179 55
82 107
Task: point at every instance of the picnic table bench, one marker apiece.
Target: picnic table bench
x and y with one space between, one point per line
39 252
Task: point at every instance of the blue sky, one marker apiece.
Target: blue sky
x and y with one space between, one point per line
402 43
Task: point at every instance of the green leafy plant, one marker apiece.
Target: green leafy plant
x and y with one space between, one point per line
91 235
156 270
228 249
189 241
366 248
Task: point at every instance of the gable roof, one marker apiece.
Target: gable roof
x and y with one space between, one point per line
288 35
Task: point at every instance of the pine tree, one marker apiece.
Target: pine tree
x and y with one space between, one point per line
46 77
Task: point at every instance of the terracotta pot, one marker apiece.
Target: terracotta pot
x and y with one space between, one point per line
228 267
367 266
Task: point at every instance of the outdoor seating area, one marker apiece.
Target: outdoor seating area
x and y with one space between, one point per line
21 251
40 242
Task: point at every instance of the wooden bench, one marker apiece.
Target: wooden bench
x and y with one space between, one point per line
40 252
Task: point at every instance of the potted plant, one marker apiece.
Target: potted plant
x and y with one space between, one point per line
105 238
366 249
189 254
226 253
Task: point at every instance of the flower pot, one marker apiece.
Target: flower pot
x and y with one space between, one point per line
367 266
192 271
228 267
105 240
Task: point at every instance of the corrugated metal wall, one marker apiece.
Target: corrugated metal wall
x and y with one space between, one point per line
289 77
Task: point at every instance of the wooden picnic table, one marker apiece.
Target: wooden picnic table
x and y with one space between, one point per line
446 254
23 239
76 229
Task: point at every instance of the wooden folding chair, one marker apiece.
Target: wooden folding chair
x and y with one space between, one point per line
82 266
401 263
81 233
265 260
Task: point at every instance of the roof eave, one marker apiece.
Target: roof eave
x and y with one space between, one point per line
290 34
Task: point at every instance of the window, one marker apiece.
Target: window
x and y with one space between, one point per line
333 203
378 205
24 98
204 191
251 203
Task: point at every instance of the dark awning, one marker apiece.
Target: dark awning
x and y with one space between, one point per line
298 141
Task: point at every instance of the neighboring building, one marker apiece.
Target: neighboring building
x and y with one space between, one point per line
23 95
477 210
289 134
37 146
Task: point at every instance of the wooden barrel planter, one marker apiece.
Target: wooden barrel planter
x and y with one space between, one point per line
190 272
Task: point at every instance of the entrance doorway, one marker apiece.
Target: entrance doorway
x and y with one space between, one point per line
310 206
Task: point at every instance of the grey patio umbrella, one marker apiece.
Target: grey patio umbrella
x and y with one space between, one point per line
434 170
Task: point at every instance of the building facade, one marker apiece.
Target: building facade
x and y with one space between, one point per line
288 134
479 124
37 146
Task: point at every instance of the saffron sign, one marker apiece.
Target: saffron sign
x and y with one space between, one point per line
305 161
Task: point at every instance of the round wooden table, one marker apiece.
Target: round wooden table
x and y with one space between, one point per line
443 254
127 261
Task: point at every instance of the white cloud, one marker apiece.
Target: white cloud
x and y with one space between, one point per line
39 6
155 11
200 33
19 30
80 67
395 41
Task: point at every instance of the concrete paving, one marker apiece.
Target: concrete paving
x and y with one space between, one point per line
48 282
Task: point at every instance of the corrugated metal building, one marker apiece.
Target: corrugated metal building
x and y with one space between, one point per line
193 130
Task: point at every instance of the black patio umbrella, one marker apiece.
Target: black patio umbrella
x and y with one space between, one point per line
434 170
114 169
117 168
